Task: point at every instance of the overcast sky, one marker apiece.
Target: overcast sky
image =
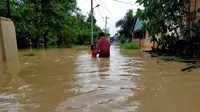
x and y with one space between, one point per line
109 8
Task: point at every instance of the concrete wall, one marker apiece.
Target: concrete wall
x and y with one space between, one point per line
2 54
8 46
192 6
145 44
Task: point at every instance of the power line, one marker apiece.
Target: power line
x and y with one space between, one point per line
82 3
106 18
111 23
105 7
96 1
100 14
126 3
99 10
111 13
101 2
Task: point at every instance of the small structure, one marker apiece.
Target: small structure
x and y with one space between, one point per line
141 36
8 46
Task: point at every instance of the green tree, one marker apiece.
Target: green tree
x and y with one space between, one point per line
2 8
48 22
8 8
126 25
89 19
163 16
174 16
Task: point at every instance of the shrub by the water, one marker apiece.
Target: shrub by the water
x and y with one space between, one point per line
131 45
177 59
30 54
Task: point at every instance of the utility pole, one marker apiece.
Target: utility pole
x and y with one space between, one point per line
92 19
8 8
106 18
91 15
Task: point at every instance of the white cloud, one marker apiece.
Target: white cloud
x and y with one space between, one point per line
110 8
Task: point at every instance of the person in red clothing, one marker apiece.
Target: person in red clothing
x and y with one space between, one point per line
93 48
103 46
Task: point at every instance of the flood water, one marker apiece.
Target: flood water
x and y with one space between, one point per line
69 80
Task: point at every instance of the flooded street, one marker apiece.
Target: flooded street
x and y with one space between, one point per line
69 80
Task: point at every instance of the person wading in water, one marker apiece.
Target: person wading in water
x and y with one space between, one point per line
103 46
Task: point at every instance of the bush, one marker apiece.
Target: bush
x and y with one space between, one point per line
30 54
132 45
177 59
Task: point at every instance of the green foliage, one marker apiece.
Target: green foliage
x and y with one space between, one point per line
132 45
30 54
89 19
153 39
163 16
122 39
126 25
3 11
49 22
173 20
177 59
107 35
196 30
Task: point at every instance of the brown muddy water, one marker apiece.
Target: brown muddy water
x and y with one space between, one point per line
69 80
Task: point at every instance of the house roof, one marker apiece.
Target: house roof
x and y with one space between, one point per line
138 25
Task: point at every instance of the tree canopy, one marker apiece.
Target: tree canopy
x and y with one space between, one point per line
126 25
163 16
48 22
172 19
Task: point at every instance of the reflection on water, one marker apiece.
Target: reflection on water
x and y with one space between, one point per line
69 80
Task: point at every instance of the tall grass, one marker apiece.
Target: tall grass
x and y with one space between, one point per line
131 45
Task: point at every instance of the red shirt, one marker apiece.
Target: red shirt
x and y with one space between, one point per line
93 53
103 47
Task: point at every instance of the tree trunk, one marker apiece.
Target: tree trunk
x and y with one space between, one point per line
44 23
195 10
45 39
8 8
177 34
189 23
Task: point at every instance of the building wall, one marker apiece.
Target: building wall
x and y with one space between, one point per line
145 44
2 54
192 6
8 45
